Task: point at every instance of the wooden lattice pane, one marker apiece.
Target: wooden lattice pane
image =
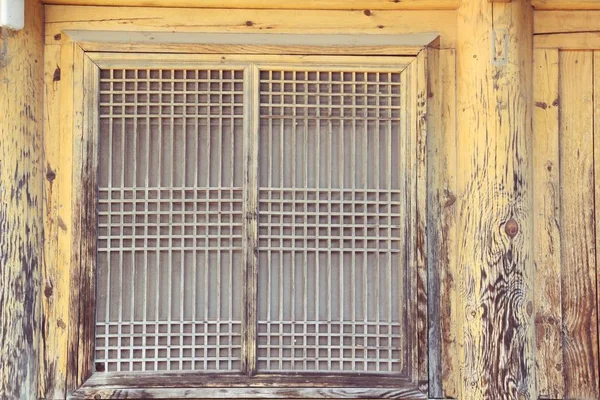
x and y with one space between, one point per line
330 222
169 263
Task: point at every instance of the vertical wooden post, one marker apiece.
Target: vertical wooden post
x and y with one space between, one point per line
21 226
494 179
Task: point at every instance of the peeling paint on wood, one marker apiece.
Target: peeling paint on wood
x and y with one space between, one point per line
21 227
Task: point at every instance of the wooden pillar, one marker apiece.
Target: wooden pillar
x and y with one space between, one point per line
494 182
21 224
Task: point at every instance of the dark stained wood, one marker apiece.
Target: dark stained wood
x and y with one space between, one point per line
420 201
83 249
21 223
441 199
254 393
579 292
194 379
195 385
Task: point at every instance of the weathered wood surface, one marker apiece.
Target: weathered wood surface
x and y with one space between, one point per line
21 225
553 22
55 280
136 19
277 4
566 4
546 218
496 326
596 182
441 227
579 293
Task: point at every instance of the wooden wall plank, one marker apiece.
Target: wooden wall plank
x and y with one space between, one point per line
566 4
552 22
546 219
275 4
495 258
420 200
567 40
596 141
579 295
441 227
21 223
55 280
131 19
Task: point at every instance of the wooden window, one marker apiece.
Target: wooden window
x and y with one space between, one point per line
251 225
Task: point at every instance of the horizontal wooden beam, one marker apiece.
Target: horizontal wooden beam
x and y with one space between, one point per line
134 20
555 22
566 4
275 4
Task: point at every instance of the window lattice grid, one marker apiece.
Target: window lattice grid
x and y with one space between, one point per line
169 263
330 222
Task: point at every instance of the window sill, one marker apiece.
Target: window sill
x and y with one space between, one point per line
113 385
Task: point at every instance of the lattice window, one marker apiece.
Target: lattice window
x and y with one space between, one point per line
254 219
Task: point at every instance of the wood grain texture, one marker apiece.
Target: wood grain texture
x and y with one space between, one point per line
579 299
566 4
55 280
244 393
441 227
139 19
495 258
553 22
21 222
546 218
596 141
567 40
420 210
202 385
275 4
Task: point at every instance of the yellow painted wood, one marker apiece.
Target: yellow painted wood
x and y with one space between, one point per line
579 292
21 222
140 19
546 218
275 4
495 260
553 22
568 41
566 4
55 280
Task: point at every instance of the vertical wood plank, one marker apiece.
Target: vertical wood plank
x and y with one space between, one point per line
250 322
55 280
546 219
421 213
580 343
441 228
88 187
596 141
496 324
21 223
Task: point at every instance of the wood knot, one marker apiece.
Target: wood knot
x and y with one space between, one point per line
511 228
97 396
50 175
56 76
48 291
57 36
249 23
368 13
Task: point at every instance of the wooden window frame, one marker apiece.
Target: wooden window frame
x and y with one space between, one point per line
76 246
